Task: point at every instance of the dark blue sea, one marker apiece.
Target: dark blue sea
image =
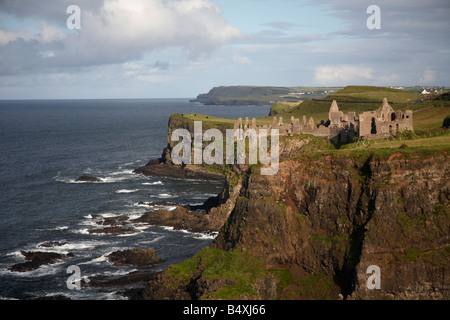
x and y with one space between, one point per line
46 145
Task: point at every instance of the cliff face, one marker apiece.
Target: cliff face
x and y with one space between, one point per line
338 217
312 231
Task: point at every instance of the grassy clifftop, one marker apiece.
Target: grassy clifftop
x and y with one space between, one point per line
255 95
429 117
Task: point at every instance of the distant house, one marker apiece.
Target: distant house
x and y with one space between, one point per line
425 91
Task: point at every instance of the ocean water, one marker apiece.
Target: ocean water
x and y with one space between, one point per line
46 145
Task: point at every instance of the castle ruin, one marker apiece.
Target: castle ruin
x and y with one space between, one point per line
340 127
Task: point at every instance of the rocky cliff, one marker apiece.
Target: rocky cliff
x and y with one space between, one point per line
312 230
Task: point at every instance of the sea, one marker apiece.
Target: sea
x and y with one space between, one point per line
45 145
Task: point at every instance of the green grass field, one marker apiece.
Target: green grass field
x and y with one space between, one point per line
374 94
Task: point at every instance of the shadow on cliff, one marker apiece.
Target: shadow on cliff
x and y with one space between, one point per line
346 277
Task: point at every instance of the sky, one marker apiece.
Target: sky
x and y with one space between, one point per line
181 48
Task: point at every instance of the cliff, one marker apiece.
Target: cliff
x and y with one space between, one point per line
312 230
164 167
259 95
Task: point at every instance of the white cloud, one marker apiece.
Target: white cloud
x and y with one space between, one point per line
241 60
49 33
429 76
341 75
118 31
196 25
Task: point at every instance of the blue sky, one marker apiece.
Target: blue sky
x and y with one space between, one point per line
180 48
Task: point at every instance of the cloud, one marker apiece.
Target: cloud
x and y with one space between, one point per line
429 77
241 60
115 31
282 25
341 75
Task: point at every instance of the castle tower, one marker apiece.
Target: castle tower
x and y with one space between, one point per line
311 124
334 107
254 127
386 111
335 116
274 123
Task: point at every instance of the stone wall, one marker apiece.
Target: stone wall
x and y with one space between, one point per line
340 127
384 122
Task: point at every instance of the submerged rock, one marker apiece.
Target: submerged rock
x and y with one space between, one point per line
38 259
88 179
52 244
111 230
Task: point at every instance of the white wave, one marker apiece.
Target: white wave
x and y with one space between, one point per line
97 260
69 180
127 191
122 172
69 247
88 216
164 195
205 236
113 179
142 228
157 183
81 231
195 235
108 215
124 235
134 215
16 254
152 206
118 176
143 204
88 222
61 228
153 241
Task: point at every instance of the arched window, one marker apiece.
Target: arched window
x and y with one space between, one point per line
393 117
374 127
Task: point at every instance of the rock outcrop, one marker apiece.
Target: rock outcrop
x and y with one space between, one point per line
208 218
36 259
88 179
135 257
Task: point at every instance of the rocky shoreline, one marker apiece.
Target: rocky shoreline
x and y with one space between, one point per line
206 219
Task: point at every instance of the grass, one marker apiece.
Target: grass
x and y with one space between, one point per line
242 269
430 118
374 94
284 107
